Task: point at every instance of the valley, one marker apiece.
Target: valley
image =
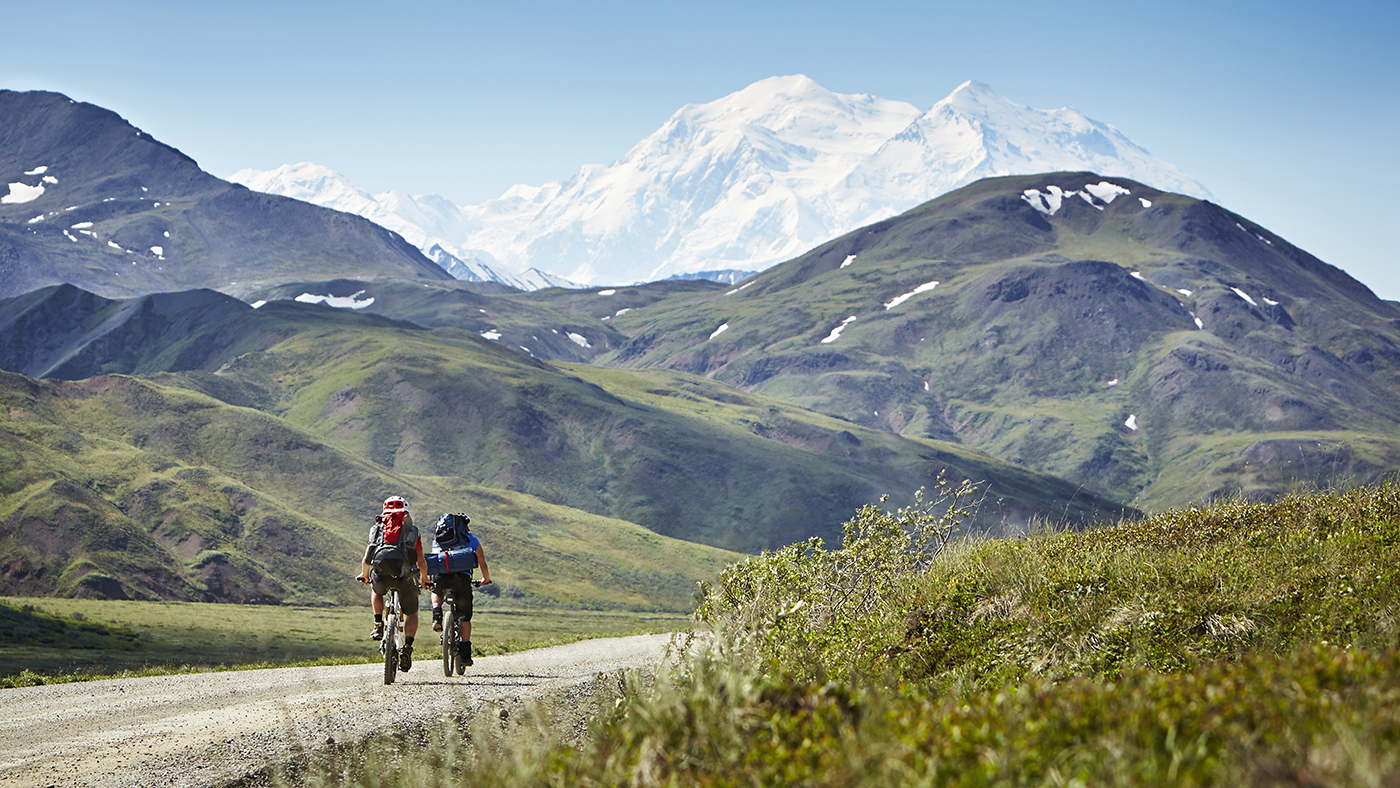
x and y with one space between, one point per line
215 425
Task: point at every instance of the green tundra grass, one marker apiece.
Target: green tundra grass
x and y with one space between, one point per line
1239 644
53 639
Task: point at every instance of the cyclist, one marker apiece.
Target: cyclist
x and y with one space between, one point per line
398 571
452 534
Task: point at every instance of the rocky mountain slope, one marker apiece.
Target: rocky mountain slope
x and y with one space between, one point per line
744 182
92 201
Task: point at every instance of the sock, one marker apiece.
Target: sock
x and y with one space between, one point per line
408 641
379 618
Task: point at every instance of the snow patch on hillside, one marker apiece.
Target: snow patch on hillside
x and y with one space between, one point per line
1245 296
340 302
836 332
923 288
22 193
1052 199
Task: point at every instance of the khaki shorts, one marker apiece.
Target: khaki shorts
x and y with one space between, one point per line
406 586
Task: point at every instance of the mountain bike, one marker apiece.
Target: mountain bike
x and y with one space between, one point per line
451 633
392 640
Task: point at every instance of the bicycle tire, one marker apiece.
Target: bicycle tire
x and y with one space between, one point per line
391 639
449 641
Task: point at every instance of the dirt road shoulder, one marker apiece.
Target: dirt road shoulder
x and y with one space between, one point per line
200 730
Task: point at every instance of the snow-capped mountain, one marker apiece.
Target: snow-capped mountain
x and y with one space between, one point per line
743 182
426 221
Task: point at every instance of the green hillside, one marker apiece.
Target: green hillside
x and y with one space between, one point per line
675 454
1067 343
115 487
250 477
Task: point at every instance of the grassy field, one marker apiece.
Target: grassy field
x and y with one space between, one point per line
53 637
1241 644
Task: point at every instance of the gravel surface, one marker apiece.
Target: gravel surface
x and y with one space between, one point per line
208 729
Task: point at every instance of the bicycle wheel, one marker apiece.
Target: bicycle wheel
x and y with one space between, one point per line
449 641
391 640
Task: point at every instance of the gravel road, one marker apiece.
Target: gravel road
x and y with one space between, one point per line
207 729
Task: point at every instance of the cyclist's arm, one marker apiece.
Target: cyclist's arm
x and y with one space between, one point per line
481 562
364 563
423 566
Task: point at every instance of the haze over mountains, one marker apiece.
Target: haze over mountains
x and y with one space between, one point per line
739 184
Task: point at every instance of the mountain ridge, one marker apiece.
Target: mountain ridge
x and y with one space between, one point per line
1100 342
95 202
762 175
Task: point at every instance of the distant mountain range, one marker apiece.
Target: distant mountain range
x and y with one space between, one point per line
737 185
90 200
250 368
1155 348
425 221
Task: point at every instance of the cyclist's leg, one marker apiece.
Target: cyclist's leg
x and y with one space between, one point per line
408 607
408 601
437 607
464 617
377 589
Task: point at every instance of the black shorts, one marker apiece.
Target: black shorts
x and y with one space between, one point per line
461 585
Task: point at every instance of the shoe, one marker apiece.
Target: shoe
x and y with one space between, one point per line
405 658
378 633
437 620
464 653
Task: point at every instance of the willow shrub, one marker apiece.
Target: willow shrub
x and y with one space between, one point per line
829 614
1167 592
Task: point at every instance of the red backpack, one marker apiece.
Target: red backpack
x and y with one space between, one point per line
390 553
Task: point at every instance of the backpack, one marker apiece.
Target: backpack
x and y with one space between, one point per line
451 529
454 543
390 553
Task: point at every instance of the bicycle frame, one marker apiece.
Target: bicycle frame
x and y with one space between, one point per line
393 636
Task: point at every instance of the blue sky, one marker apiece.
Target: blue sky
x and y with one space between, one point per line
1289 112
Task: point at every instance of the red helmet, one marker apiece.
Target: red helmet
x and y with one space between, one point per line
395 502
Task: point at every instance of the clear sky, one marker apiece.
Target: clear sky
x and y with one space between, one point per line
1289 112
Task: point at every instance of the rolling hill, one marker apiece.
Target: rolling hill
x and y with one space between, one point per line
1156 348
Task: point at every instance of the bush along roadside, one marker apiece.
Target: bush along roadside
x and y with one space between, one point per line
1233 644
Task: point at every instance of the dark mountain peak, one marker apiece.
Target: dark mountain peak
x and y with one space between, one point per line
91 200
75 151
